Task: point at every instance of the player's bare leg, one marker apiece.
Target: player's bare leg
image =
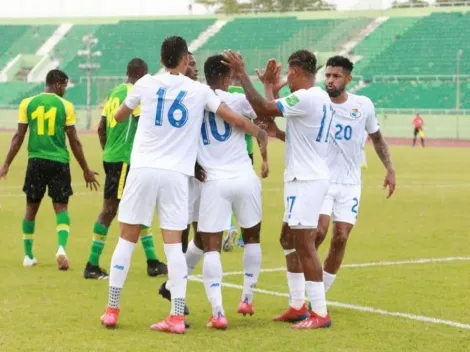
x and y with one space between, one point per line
177 282
212 276
28 233
251 267
341 231
322 230
63 230
185 238
297 310
120 264
304 243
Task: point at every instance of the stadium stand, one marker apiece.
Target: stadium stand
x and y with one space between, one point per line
417 47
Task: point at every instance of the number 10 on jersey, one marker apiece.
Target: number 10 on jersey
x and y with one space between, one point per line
177 105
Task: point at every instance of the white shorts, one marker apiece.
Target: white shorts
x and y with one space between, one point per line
303 201
219 198
342 202
147 188
194 199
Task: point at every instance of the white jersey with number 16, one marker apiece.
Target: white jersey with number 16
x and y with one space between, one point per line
172 108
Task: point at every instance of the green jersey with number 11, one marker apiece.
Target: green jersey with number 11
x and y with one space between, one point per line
119 136
47 115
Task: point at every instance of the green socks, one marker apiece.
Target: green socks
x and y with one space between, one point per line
147 241
28 232
100 233
63 228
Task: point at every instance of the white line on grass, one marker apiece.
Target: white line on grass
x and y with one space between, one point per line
371 264
420 318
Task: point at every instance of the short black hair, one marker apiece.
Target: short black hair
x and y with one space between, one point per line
136 65
56 77
215 69
340 61
173 49
304 59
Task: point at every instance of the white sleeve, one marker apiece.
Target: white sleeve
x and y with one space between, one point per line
132 100
372 124
295 105
245 107
212 100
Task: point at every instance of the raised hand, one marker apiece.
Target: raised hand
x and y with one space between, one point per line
235 62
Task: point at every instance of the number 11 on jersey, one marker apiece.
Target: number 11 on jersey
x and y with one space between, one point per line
41 116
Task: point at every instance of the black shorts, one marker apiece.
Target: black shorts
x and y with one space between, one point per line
54 175
116 175
251 157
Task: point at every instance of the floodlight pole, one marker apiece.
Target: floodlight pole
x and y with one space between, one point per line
89 67
457 92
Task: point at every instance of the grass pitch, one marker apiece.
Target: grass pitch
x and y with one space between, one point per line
385 306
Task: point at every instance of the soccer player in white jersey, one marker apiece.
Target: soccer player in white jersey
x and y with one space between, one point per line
163 159
231 185
308 114
354 117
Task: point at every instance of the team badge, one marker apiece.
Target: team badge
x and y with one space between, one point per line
291 100
356 113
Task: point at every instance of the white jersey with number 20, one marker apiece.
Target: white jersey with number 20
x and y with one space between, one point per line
352 120
172 109
309 117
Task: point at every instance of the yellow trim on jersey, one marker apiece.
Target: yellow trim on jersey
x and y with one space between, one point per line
122 180
22 111
27 237
136 112
70 118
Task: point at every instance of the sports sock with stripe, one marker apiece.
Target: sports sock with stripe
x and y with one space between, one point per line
146 238
63 228
28 233
100 234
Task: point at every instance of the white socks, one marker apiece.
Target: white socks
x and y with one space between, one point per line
316 296
251 268
120 264
212 276
296 283
328 280
193 256
177 276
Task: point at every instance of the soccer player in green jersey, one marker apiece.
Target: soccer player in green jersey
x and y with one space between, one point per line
49 118
117 139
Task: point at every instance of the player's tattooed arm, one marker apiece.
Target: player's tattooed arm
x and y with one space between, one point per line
15 146
102 131
260 105
77 150
381 148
